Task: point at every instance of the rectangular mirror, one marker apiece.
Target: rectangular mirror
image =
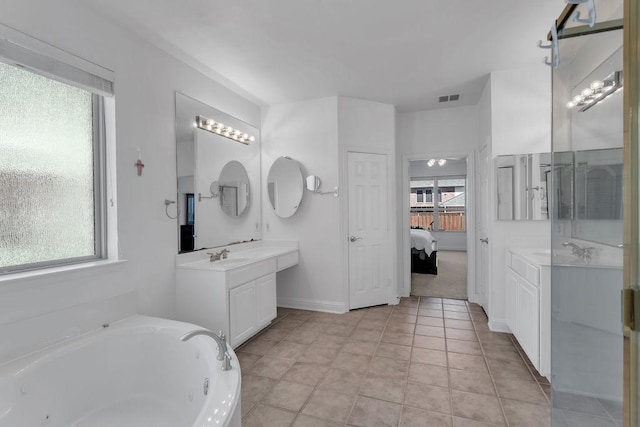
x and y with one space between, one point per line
523 183
218 172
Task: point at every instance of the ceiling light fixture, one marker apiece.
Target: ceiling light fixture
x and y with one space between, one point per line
597 91
223 130
440 162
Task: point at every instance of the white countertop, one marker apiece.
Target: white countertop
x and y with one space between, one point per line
239 255
564 258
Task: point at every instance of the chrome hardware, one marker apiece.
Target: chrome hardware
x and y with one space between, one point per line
485 240
218 256
220 339
555 52
583 253
354 238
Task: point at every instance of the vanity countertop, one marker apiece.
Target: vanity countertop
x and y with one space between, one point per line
564 258
239 256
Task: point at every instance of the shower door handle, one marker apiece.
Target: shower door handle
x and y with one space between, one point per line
485 240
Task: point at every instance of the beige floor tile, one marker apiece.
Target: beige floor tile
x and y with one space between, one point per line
518 389
509 368
287 324
473 382
247 360
431 331
430 321
400 339
461 334
268 416
467 362
390 389
255 387
465 422
300 336
400 328
428 356
394 351
456 315
328 404
427 397
351 362
306 373
366 334
271 367
373 324
287 350
366 348
400 309
382 366
459 324
339 330
466 347
247 406
614 408
329 341
429 374
454 301
324 317
288 395
371 412
524 414
430 306
412 417
454 307
274 334
319 355
578 403
301 315
342 381
434 343
566 418
258 346
479 407
429 312
307 421
402 318
315 326
494 338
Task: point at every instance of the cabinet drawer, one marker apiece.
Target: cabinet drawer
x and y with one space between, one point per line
251 272
525 269
287 260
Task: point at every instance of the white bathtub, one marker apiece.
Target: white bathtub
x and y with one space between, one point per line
136 372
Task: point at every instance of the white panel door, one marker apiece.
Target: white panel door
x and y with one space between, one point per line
242 312
482 215
369 261
266 299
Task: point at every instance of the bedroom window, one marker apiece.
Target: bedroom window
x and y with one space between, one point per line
438 204
52 209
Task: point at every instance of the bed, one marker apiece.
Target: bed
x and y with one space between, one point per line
424 252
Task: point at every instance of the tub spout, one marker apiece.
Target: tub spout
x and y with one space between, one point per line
220 339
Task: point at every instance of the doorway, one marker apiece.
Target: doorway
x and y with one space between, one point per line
438 209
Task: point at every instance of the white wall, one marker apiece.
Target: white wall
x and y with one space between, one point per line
145 81
520 123
307 132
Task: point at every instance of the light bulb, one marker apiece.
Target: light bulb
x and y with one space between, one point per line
587 92
441 162
245 136
431 162
571 104
229 129
577 99
251 138
598 84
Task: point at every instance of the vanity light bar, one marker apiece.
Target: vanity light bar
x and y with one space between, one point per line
596 92
223 130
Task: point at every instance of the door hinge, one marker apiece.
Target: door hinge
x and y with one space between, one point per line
630 301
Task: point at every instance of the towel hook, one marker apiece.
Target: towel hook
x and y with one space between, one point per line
555 50
591 19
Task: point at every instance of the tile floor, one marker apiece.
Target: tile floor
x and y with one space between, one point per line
425 362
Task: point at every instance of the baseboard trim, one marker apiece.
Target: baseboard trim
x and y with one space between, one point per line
499 326
311 304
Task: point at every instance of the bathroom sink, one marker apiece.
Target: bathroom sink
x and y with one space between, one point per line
228 262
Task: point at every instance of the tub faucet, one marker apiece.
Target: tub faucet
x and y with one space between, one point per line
584 253
218 255
220 339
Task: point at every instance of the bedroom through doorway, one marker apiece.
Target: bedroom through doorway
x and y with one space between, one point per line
438 220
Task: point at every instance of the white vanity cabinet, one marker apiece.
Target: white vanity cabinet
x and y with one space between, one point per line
528 309
239 299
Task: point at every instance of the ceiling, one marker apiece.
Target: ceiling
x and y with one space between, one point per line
402 52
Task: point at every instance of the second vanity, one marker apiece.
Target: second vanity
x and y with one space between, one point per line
236 295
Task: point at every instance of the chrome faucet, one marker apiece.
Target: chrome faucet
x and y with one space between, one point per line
221 340
584 253
218 255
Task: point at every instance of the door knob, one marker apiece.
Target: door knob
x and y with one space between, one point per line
354 238
485 240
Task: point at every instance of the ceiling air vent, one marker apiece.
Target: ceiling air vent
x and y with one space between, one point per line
449 98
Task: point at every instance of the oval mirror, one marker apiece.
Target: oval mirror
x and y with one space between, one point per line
233 188
285 186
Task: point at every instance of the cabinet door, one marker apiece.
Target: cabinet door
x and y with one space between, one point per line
242 312
512 301
266 299
529 320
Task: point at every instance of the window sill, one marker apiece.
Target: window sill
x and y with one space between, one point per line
55 271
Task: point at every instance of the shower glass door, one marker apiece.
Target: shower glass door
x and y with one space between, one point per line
587 221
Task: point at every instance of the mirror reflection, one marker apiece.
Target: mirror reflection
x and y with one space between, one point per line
233 189
285 186
210 163
523 182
